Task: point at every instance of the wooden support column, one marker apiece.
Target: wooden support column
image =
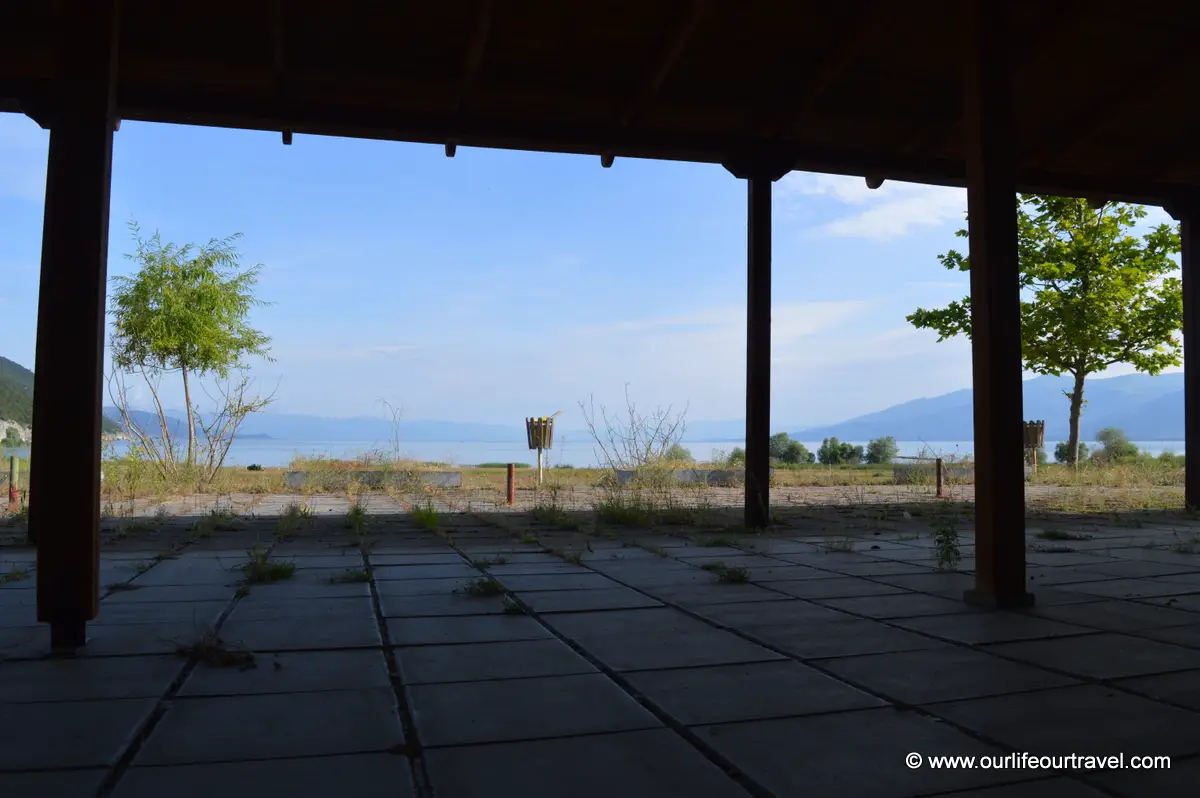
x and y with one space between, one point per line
758 353
1188 216
759 174
64 482
995 310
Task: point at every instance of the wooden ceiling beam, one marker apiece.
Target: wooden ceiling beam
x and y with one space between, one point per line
1087 123
476 46
867 32
1070 24
170 105
279 57
676 42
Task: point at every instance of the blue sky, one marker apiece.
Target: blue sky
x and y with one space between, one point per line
500 284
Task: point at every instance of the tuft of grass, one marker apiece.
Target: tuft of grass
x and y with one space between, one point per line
356 518
484 562
1059 534
218 519
514 606
18 574
211 650
295 516
727 574
351 575
261 569
716 543
945 542
118 587
133 529
426 515
841 544
483 586
553 514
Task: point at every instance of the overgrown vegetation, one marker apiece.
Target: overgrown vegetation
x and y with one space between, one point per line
1093 294
185 312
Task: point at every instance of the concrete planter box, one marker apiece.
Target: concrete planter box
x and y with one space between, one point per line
374 479
694 476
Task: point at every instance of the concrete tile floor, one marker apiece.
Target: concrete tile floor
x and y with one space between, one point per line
631 672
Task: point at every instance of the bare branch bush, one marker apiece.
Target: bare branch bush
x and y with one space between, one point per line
159 451
636 439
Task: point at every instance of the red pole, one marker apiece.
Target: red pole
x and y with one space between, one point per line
512 484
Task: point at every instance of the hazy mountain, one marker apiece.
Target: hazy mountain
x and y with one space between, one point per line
1146 408
16 395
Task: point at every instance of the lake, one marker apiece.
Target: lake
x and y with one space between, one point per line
273 452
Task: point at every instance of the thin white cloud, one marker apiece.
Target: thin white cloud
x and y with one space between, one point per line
893 210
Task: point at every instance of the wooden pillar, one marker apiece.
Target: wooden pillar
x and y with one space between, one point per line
758 353
995 310
1188 215
759 172
64 480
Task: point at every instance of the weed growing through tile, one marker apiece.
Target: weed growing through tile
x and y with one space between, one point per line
945 541
426 515
295 517
727 574
841 544
356 519
483 586
261 569
218 519
514 606
717 543
351 575
18 574
1058 534
212 651
485 562
118 587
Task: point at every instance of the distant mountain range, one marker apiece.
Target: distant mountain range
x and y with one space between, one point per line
1146 408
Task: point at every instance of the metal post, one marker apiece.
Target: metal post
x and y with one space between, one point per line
512 484
14 474
539 465
940 494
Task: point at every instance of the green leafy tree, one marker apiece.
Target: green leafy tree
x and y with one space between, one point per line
1117 445
786 450
12 438
185 311
882 450
737 457
678 454
1093 294
1060 452
834 452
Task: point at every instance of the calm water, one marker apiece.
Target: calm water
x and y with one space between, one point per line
270 452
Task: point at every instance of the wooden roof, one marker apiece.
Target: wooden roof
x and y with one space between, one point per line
1104 89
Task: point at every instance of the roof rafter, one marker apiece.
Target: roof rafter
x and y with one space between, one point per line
832 68
485 12
676 43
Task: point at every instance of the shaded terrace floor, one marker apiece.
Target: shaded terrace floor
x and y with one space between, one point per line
632 672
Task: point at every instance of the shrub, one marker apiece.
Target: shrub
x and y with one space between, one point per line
737 457
834 452
1060 451
786 450
882 450
1117 446
678 454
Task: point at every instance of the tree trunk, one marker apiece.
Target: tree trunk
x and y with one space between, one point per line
191 420
1076 412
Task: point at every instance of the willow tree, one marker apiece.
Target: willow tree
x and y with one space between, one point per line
185 311
1093 293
